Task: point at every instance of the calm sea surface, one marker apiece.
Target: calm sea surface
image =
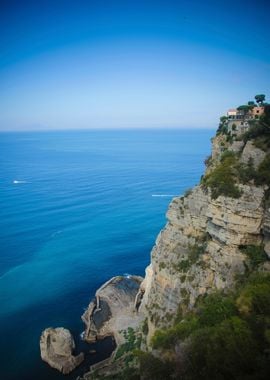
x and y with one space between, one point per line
76 209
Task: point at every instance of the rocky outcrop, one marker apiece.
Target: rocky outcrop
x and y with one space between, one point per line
250 152
56 347
113 309
199 250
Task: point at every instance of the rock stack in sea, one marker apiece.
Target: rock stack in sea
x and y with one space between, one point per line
56 347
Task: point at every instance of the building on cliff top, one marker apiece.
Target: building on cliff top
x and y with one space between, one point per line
236 114
238 119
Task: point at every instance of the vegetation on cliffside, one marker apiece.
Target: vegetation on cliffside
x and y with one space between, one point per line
225 176
226 336
260 131
222 179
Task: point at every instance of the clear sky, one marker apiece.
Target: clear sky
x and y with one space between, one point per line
109 63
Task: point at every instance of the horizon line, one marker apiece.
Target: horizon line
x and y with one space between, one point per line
104 129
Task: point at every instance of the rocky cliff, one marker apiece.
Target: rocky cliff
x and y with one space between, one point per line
216 232
201 247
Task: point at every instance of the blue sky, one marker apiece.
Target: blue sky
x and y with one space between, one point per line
117 64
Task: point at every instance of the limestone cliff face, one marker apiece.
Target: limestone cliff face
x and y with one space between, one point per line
199 250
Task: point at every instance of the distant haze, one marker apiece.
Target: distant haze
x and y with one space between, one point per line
121 64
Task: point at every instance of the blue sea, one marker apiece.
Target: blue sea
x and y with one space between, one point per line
78 207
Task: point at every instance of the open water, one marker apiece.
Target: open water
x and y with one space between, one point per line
76 208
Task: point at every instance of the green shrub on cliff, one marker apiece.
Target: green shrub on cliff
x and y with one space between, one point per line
167 338
222 179
253 300
261 136
223 125
128 373
211 310
225 351
256 255
263 173
215 308
260 131
145 327
153 368
133 341
194 252
182 266
246 172
227 337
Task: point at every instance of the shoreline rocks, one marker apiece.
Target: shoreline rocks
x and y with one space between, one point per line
56 347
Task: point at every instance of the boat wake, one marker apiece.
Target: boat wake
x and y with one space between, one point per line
16 182
164 195
56 233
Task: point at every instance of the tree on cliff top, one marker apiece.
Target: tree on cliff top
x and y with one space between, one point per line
260 99
245 108
251 104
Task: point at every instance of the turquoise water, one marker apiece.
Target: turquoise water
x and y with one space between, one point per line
85 206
